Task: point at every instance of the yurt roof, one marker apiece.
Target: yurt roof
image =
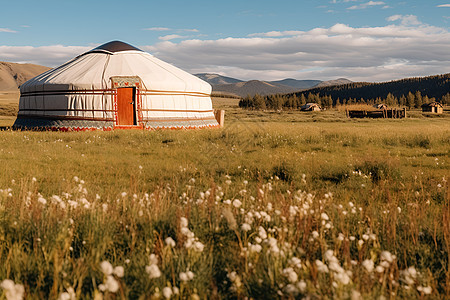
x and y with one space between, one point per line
95 68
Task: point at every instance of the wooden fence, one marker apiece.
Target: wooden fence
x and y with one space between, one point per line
393 113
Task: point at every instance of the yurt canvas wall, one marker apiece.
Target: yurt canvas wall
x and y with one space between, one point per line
115 86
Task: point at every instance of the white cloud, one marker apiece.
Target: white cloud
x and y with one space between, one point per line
189 30
368 54
395 51
276 33
171 37
50 56
444 5
406 20
157 29
366 5
7 30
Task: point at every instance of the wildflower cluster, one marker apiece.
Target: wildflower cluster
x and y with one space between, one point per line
110 282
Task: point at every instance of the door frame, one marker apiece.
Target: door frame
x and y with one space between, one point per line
128 82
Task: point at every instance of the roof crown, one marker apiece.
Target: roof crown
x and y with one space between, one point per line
114 47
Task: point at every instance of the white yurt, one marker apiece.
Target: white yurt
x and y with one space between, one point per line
115 86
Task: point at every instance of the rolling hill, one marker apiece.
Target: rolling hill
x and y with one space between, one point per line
253 87
12 75
339 81
215 79
298 84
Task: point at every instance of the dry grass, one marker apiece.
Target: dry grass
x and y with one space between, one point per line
284 205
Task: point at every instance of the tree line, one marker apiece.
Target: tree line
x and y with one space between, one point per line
433 86
296 100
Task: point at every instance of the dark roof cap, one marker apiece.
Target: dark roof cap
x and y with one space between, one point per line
114 46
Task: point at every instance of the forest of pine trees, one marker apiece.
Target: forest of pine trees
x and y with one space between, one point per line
410 92
295 100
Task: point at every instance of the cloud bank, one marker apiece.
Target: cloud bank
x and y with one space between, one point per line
404 48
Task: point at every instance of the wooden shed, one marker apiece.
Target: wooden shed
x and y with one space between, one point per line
380 106
310 107
433 107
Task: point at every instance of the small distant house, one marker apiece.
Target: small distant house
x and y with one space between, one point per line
380 106
433 107
310 107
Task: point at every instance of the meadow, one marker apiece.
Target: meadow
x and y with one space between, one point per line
274 205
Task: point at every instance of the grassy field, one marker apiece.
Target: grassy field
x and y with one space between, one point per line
274 205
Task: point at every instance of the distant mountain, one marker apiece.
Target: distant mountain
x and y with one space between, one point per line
223 84
215 79
298 84
338 81
12 75
254 87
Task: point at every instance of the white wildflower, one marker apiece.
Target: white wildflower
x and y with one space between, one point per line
198 246
153 259
153 271
379 269
106 268
111 284
190 275
262 233
342 277
176 291
355 295
69 295
291 289
255 248
387 256
426 290
167 292
290 274
301 285
315 234
42 200
246 227
369 265
321 267
237 203
184 277
170 242
12 291
119 271
183 222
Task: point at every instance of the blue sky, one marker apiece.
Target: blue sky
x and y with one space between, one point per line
362 40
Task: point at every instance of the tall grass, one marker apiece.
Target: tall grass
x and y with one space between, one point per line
279 210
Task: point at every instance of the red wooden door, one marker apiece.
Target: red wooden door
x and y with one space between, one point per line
125 106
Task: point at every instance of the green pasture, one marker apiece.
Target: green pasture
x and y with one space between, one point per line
336 194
